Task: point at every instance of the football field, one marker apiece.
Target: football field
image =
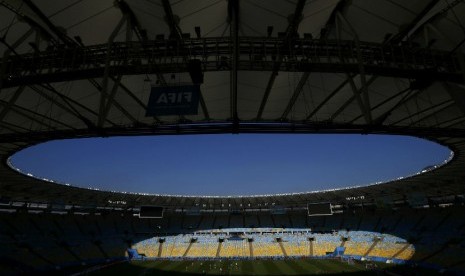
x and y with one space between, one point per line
242 267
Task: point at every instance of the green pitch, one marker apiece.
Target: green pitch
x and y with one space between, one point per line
244 267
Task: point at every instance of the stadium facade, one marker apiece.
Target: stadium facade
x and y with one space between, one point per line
75 69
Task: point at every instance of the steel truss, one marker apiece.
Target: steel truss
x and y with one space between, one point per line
255 54
219 127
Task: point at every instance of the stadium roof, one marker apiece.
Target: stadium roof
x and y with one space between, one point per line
85 68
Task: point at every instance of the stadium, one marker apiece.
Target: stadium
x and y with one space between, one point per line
80 68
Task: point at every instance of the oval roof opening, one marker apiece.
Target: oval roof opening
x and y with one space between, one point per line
229 165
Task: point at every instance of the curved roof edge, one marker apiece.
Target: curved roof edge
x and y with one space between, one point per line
440 181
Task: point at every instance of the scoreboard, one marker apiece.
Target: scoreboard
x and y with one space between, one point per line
151 212
319 209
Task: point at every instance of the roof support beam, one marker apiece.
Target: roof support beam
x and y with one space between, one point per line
451 123
366 112
296 94
111 98
327 99
291 31
11 49
457 94
340 7
68 41
134 97
356 95
52 100
233 17
115 103
11 102
131 94
141 33
72 103
66 106
108 99
61 36
27 113
106 74
203 105
134 22
383 103
365 103
410 94
13 128
176 33
446 106
407 30
172 20
430 28
410 116
337 13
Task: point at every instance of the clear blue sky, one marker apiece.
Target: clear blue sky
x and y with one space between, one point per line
241 164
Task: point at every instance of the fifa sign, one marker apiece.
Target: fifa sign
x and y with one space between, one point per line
170 98
173 100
